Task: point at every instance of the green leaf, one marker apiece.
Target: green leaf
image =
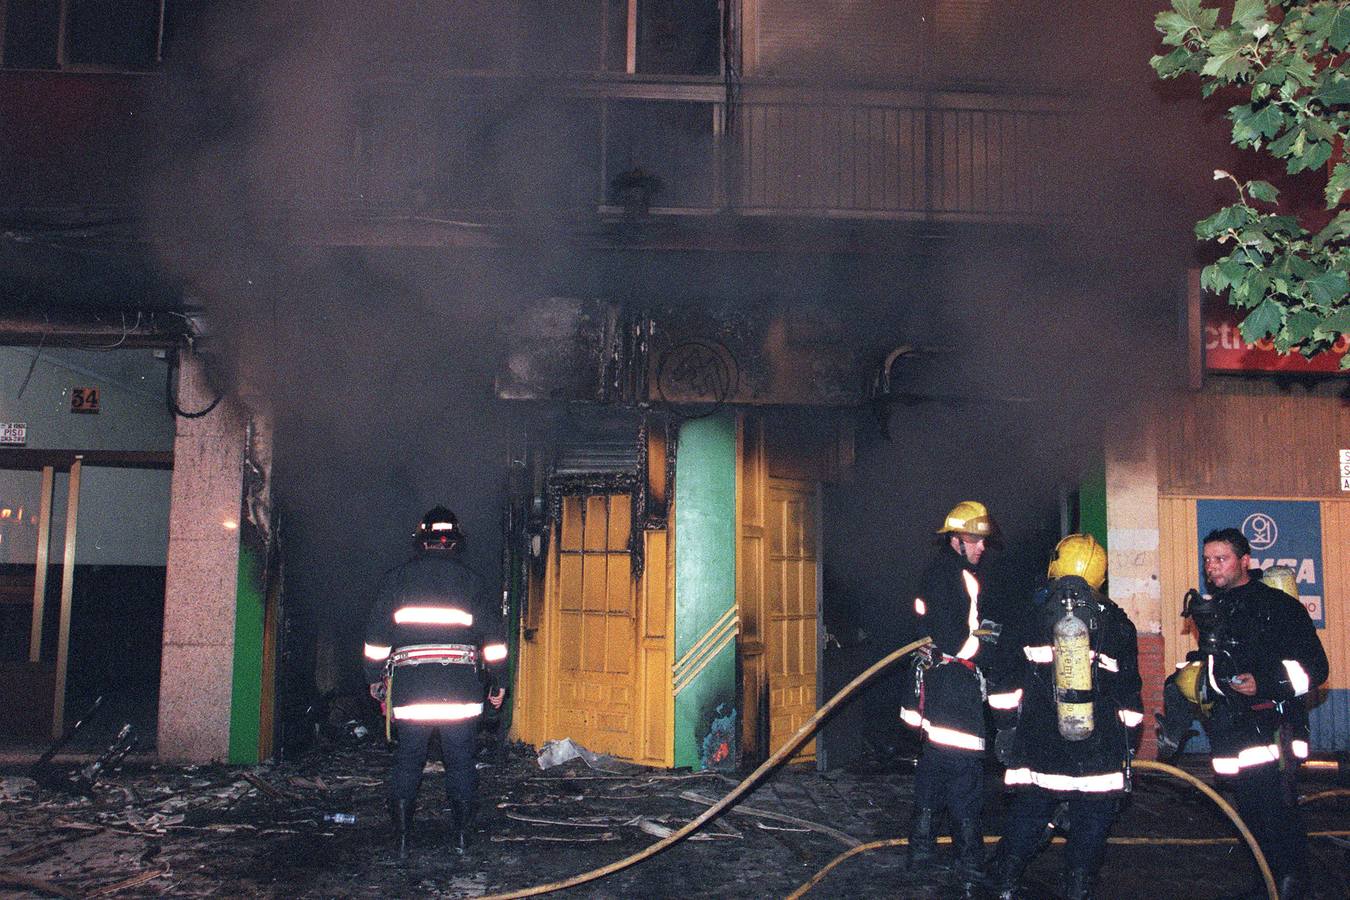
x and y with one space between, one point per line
1282 146
1299 326
1336 323
1329 288
1331 22
1274 74
1337 185
1247 10
1263 320
1300 71
1173 64
1300 268
1339 227
1263 191
1336 92
1314 155
1230 217
1213 280
1225 58
1248 124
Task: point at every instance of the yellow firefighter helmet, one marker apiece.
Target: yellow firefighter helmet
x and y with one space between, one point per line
1081 555
968 517
1189 680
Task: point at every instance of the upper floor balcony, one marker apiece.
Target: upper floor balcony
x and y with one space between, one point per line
631 146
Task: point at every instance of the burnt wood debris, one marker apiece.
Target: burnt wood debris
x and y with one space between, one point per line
138 829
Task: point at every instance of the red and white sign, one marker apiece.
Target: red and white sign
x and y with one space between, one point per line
1226 351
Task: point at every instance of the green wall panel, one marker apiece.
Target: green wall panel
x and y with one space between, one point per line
246 689
705 585
1092 504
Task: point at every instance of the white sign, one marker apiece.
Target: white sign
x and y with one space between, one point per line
17 433
1345 470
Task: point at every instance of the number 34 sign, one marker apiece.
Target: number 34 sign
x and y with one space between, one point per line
84 400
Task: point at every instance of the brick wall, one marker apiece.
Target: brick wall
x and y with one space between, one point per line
1153 669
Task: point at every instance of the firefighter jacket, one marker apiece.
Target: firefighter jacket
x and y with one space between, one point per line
1265 632
1025 702
437 638
944 694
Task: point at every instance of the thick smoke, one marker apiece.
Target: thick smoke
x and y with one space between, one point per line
377 362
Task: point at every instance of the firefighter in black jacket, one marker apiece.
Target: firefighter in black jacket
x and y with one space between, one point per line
1259 657
946 695
1067 712
434 653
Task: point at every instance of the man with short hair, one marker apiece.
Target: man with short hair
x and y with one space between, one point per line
946 695
1259 658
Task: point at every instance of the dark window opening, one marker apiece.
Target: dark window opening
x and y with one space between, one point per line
679 37
32 28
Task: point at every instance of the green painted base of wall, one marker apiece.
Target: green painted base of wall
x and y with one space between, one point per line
246 688
706 719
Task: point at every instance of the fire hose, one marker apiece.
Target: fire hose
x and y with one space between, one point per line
804 733
754 778
1144 764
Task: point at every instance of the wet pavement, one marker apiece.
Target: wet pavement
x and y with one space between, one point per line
216 831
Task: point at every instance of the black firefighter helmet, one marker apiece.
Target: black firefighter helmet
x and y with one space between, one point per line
439 531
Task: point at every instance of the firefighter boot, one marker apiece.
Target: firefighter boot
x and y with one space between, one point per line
401 814
922 838
1078 884
463 815
969 840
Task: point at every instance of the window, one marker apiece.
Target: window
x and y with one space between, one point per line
117 35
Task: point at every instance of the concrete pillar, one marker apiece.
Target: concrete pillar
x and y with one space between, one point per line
202 576
1132 549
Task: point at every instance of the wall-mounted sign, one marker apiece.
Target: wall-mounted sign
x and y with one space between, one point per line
1281 532
1345 470
84 400
13 433
1226 351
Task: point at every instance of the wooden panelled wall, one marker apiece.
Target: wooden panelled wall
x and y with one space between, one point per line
1251 438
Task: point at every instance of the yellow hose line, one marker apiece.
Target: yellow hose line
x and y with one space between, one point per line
803 734
1146 764
1322 795
1155 766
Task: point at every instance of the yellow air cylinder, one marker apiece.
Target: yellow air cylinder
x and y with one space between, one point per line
1281 578
1073 677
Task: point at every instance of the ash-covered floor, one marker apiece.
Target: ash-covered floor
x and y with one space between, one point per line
216 831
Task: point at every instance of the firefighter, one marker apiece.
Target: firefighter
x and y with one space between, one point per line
1068 712
1258 658
434 653
945 699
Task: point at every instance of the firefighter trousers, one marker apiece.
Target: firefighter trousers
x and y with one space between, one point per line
1264 803
458 742
1088 819
949 779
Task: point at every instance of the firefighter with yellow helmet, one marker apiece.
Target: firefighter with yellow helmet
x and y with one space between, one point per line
945 695
1067 709
1257 659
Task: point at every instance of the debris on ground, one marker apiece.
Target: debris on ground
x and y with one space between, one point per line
318 827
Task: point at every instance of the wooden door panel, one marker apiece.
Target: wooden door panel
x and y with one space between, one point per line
592 666
790 604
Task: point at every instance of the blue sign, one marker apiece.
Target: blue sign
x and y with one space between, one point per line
1281 532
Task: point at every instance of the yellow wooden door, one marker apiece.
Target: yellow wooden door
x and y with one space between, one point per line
592 673
790 601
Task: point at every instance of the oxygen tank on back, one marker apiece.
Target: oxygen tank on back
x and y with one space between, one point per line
1073 676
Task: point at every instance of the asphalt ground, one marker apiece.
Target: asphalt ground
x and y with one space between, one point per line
145 830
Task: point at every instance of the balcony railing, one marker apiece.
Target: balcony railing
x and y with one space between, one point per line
779 150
